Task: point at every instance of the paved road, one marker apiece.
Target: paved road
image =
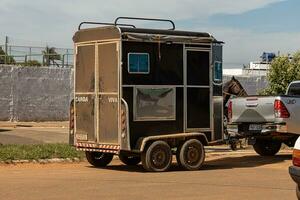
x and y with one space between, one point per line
233 176
33 133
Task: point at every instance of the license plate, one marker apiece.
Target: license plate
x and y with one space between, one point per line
255 127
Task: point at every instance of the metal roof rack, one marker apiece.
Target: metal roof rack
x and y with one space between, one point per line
104 23
146 19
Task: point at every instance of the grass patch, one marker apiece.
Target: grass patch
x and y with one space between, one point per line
38 151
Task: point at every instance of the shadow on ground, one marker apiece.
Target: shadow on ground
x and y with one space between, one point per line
247 161
4 130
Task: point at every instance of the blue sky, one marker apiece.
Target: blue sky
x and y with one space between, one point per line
276 17
248 27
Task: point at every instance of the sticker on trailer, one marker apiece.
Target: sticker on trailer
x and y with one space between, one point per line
112 100
83 99
81 136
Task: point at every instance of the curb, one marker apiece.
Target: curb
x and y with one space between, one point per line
43 161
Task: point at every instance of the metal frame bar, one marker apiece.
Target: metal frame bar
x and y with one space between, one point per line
146 19
97 95
104 23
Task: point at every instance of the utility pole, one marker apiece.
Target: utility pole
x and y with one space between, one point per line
6 48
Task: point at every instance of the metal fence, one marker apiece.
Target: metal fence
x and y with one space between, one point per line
36 55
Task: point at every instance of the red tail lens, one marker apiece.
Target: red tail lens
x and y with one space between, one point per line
229 110
280 110
296 157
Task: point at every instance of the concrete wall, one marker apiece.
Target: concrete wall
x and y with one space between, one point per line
35 93
44 94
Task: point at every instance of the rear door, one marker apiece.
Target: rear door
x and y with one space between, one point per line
85 94
198 90
108 92
97 99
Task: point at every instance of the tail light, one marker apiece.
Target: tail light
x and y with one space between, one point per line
72 113
296 157
229 111
123 121
280 110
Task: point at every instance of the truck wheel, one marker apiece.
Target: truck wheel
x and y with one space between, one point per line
298 192
129 160
267 147
99 159
191 155
157 157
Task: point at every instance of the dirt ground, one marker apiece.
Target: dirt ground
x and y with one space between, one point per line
226 174
232 175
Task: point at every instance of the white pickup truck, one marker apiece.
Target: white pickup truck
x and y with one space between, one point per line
268 121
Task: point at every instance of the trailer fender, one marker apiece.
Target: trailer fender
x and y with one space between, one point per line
143 141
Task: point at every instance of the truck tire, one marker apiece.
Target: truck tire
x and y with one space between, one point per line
267 147
157 157
129 160
191 155
99 159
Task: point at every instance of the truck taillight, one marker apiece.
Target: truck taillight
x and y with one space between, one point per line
229 111
296 157
280 110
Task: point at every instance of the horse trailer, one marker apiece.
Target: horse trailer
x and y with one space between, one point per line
146 94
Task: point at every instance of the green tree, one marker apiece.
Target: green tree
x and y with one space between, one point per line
283 70
3 55
32 63
50 56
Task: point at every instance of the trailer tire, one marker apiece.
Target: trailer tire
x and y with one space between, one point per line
157 157
99 159
191 155
130 160
298 192
267 147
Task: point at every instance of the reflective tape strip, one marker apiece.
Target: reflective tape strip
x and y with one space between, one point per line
98 146
97 150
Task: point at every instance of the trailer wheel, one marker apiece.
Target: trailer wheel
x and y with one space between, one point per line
129 160
99 159
157 157
191 155
298 192
267 147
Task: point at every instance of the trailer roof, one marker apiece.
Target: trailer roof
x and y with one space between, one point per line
165 32
131 33
166 35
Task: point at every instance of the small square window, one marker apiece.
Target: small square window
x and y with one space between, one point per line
218 71
138 63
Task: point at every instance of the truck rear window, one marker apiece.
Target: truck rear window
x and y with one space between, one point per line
294 89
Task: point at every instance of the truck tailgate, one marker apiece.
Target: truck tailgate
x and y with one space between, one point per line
293 106
254 109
